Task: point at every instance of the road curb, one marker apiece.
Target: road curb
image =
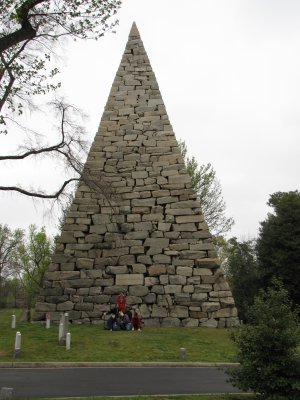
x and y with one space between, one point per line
19 364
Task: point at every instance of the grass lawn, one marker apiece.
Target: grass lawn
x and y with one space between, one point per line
94 344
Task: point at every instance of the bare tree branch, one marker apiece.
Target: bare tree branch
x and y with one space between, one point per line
39 194
26 31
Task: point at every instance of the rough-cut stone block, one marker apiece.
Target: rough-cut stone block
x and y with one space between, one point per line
138 291
199 296
192 254
84 306
173 289
114 289
67 266
104 282
211 263
198 314
94 273
161 259
65 306
67 237
143 310
61 275
210 306
210 323
153 217
170 322
85 263
80 291
203 288
78 283
191 227
130 279
225 313
164 227
45 307
98 229
151 323
184 219
190 322
151 280
127 259
150 298
193 280
177 280
93 238
149 202
94 291
227 302
137 250
139 174
159 312
144 260
164 279
179 312
158 243
188 289
156 270
185 271
138 268
56 299
115 270
154 250
158 289
116 252
137 235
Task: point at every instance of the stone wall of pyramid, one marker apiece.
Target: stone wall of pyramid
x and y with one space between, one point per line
142 231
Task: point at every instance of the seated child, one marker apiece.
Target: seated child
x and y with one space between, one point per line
136 322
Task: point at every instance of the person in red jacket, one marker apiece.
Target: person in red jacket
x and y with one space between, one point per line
121 302
136 322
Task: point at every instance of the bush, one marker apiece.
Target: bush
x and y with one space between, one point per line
267 348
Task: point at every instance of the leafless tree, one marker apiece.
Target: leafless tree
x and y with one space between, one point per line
29 32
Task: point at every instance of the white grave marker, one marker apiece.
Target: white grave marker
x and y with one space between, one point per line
68 341
18 344
13 321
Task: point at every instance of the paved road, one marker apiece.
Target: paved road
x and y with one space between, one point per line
67 382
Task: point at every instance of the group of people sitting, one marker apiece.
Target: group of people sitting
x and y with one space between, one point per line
122 319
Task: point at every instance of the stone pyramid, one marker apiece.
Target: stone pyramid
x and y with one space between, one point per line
143 231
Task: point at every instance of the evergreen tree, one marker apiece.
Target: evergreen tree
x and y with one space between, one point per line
240 265
267 348
278 244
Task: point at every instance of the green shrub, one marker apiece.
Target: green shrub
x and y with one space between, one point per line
267 348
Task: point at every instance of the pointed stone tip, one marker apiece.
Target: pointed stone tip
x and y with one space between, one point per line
134 32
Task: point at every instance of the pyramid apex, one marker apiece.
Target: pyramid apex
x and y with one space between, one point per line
134 32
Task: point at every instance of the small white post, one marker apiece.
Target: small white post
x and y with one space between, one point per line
13 321
64 319
18 344
48 320
68 341
182 353
60 331
66 326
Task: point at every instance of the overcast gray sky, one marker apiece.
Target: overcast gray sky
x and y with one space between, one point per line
229 74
